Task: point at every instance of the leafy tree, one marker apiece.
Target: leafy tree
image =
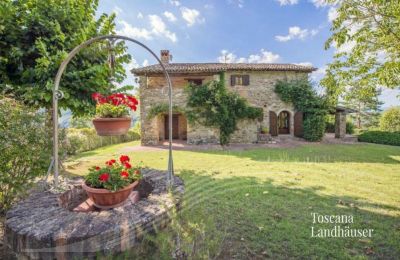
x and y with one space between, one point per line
35 37
390 120
366 34
367 107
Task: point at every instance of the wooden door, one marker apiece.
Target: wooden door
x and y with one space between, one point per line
273 123
298 124
175 127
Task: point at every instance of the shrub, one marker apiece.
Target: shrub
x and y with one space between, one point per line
349 128
26 149
86 139
380 137
390 120
314 127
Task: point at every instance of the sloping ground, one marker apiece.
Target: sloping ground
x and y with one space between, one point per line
258 203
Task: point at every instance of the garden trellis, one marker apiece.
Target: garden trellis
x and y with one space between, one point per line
58 94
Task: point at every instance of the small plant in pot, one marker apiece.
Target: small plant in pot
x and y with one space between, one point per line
264 130
112 113
109 186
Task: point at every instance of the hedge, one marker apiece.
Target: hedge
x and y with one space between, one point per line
85 139
330 127
380 137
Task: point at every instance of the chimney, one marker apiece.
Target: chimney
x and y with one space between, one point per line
165 57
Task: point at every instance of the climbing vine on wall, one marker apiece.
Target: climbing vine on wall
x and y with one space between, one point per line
305 99
163 108
212 105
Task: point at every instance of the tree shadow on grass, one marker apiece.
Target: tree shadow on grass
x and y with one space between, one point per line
358 153
262 220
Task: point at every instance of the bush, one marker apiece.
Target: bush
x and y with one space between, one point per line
390 120
25 149
86 139
330 127
350 128
314 127
380 137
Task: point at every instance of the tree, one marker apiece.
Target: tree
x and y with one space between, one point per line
367 107
35 37
390 120
366 34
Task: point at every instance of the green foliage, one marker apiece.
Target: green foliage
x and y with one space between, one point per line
86 139
25 149
107 110
371 28
81 122
115 175
330 126
163 109
36 36
380 137
213 105
304 98
314 127
390 120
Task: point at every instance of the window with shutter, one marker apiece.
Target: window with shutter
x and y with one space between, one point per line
240 80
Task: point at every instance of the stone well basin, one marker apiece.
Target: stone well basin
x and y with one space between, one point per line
44 226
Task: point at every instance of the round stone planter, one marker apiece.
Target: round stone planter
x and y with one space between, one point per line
112 126
105 199
45 225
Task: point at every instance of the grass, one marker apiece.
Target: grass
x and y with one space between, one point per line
261 200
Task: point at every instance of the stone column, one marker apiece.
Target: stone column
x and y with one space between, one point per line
340 124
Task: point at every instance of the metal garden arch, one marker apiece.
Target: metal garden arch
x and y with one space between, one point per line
58 94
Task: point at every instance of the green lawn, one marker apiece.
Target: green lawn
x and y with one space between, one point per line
258 203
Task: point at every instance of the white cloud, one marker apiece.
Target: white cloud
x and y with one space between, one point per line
134 32
117 10
145 63
158 27
175 2
287 2
306 63
170 16
296 32
319 3
140 15
319 73
191 16
332 14
262 57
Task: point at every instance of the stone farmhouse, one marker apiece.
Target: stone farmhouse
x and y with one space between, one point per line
255 82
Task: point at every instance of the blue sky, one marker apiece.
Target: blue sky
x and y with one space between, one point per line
280 31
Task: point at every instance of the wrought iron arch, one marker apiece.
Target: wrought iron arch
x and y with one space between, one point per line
58 94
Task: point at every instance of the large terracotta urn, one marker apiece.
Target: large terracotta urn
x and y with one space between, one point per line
112 126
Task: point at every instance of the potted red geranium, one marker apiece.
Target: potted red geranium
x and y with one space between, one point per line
112 113
109 186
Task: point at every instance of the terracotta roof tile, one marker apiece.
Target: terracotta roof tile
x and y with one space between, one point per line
218 67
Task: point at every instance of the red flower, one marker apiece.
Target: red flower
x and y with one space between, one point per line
97 168
127 165
104 177
96 96
124 158
137 172
110 162
124 174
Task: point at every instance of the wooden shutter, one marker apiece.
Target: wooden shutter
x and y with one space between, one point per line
273 123
233 80
298 124
246 80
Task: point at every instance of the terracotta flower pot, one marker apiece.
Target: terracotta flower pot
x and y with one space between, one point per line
112 126
105 199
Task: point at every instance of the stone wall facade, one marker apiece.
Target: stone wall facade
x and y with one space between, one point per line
259 93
